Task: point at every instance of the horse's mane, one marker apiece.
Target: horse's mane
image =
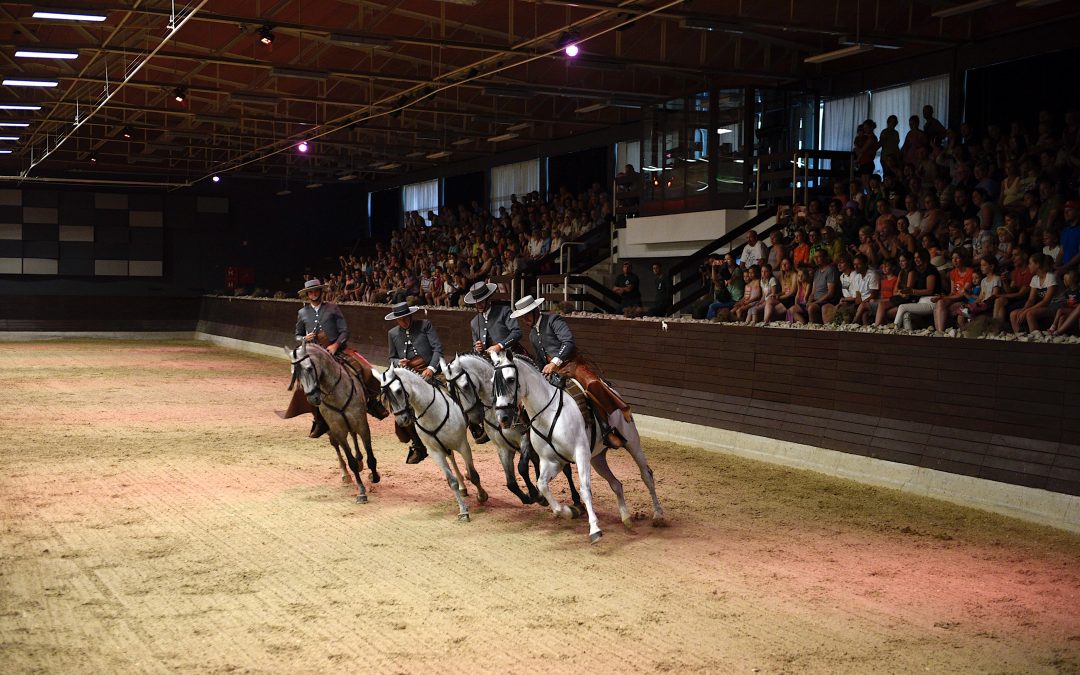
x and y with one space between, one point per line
471 355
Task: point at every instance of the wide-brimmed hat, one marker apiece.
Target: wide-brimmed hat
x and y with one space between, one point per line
525 305
311 285
479 291
400 311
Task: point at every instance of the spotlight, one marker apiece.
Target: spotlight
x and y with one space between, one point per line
216 179
93 158
568 41
128 132
571 50
180 93
266 35
303 146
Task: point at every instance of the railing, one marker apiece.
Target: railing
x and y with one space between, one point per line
782 176
684 274
579 289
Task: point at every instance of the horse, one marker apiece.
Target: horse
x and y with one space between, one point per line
440 423
559 436
470 378
340 397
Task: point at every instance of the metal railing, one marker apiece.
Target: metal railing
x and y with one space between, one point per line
782 176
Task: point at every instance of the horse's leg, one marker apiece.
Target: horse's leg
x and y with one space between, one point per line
574 496
583 457
460 478
465 450
341 462
548 469
527 456
365 436
600 463
354 465
633 446
506 458
440 458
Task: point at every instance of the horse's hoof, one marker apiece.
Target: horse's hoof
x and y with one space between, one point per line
542 502
628 524
527 500
375 478
482 497
575 512
463 517
361 499
659 521
595 537
464 492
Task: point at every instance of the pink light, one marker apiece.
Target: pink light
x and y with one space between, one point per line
303 147
572 50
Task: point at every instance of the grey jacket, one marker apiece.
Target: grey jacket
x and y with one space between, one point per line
498 327
551 337
420 340
328 317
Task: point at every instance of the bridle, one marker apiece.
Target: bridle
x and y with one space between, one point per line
407 409
318 386
502 388
455 390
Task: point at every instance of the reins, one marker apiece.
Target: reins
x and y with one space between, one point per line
500 383
436 391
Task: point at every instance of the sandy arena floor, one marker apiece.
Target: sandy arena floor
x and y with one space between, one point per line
156 516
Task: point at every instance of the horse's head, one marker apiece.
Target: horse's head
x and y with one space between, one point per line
507 388
397 396
306 372
465 388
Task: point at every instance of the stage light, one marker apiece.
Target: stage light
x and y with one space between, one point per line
216 179
303 146
128 132
568 41
30 83
93 158
46 54
14 124
5 152
180 93
68 15
16 106
9 138
572 50
266 35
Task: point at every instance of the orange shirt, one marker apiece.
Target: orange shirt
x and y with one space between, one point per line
801 254
960 279
887 286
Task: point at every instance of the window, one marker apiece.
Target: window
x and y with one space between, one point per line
513 179
421 197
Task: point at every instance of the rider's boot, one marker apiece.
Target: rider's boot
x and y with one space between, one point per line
417 451
318 425
479 434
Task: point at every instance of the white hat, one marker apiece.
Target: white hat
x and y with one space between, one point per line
525 305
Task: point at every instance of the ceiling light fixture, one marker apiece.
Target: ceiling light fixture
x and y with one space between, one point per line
439 155
180 93
414 155
5 152
847 42
722 130
303 146
216 179
462 141
9 138
298 73
128 132
592 107
30 83
389 166
46 54
502 137
568 42
68 15
520 126
283 192
314 184
839 53
266 35
18 106
957 10
14 124
93 158
348 176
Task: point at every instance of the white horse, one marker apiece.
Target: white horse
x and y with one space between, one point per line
340 398
439 422
560 436
471 381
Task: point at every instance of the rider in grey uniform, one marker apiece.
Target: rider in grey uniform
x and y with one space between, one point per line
493 330
413 344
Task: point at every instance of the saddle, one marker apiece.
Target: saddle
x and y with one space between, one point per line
598 390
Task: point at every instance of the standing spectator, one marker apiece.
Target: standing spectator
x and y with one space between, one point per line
914 141
935 130
662 301
890 142
628 288
866 148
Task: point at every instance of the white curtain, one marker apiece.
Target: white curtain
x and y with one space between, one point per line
892 101
513 179
931 91
422 197
839 117
627 152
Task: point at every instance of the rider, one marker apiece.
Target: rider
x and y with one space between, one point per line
492 331
323 322
555 352
415 345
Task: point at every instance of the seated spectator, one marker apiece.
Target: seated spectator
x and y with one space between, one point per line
777 250
858 283
796 309
925 284
961 278
1015 287
1041 290
728 288
800 253
767 284
788 287
887 282
753 253
752 293
1070 236
826 288
1068 309
986 286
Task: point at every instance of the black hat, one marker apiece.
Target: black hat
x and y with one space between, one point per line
400 311
479 291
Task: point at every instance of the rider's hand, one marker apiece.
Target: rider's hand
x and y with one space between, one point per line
428 373
478 346
332 348
495 348
550 368
309 337
403 363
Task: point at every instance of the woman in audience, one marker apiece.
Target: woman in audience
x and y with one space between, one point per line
904 238
752 293
789 282
886 289
1068 309
981 299
796 311
800 254
990 216
867 246
1042 289
960 284
767 284
925 284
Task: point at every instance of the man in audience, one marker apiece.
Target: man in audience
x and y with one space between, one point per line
628 288
753 253
1070 237
825 289
661 303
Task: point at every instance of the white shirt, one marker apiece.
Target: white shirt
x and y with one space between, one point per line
854 283
753 255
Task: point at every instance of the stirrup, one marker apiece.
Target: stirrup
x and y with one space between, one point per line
377 410
612 432
318 428
416 454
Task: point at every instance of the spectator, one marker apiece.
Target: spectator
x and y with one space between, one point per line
1068 307
890 142
628 288
1041 290
800 254
1016 287
780 300
767 285
935 130
662 301
925 284
752 293
1070 236
961 278
753 253
886 287
981 298
777 250
826 286
796 311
